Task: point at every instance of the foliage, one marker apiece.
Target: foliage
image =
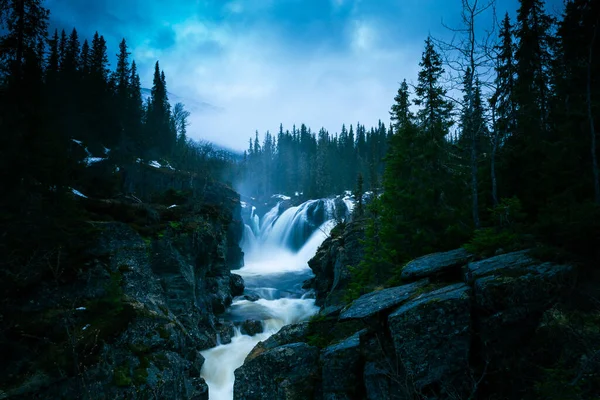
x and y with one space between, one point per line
317 164
505 236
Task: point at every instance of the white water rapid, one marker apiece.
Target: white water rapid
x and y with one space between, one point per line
277 250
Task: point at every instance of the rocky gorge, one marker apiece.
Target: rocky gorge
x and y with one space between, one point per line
130 317
457 327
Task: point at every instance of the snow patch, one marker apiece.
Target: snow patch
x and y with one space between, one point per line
80 309
281 197
79 142
244 204
85 327
172 206
154 164
78 193
92 160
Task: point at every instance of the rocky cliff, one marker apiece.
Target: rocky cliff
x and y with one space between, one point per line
457 328
130 319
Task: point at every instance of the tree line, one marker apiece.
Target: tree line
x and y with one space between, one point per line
317 164
511 164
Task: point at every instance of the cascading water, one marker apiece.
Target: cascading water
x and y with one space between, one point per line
277 250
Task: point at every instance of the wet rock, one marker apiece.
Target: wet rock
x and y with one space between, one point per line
330 264
197 364
220 293
236 285
199 389
436 265
251 327
251 297
288 372
432 338
341 369
375 302
225 331
293 333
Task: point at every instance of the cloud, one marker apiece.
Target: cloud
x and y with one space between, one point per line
265 62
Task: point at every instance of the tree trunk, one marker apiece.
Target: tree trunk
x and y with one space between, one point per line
493 162
591 120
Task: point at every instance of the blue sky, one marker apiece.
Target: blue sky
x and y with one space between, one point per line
265 62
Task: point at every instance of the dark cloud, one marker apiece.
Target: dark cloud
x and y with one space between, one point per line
164 39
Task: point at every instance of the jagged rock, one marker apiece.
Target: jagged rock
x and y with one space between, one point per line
436 265
251 327
236 285
220 289
288 372
330 264
197 364
288 334
341 369
199 389
375 302
511 293
251 297
377 382
225 331
432 337
503 263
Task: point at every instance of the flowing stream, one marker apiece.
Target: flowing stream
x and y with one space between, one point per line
277 249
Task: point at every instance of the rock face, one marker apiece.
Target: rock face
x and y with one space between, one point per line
418 340
432 336
251 327
330 264
375 302
140 308
341 369
288 334
436 265
512 291
287 372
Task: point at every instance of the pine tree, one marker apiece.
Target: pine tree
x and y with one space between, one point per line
71 61
400 113
53 64
123 72
527 165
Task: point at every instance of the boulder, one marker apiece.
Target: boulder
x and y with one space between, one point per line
436 265
251 297
375 302
288 372
432 337
251 327
288 334
225 331
512 291
236 284
503 263
341 369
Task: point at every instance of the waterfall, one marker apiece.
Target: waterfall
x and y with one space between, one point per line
277 249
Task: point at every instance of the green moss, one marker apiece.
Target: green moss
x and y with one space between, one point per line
140 374
163 333
124 268
139 349
175 225
121 377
